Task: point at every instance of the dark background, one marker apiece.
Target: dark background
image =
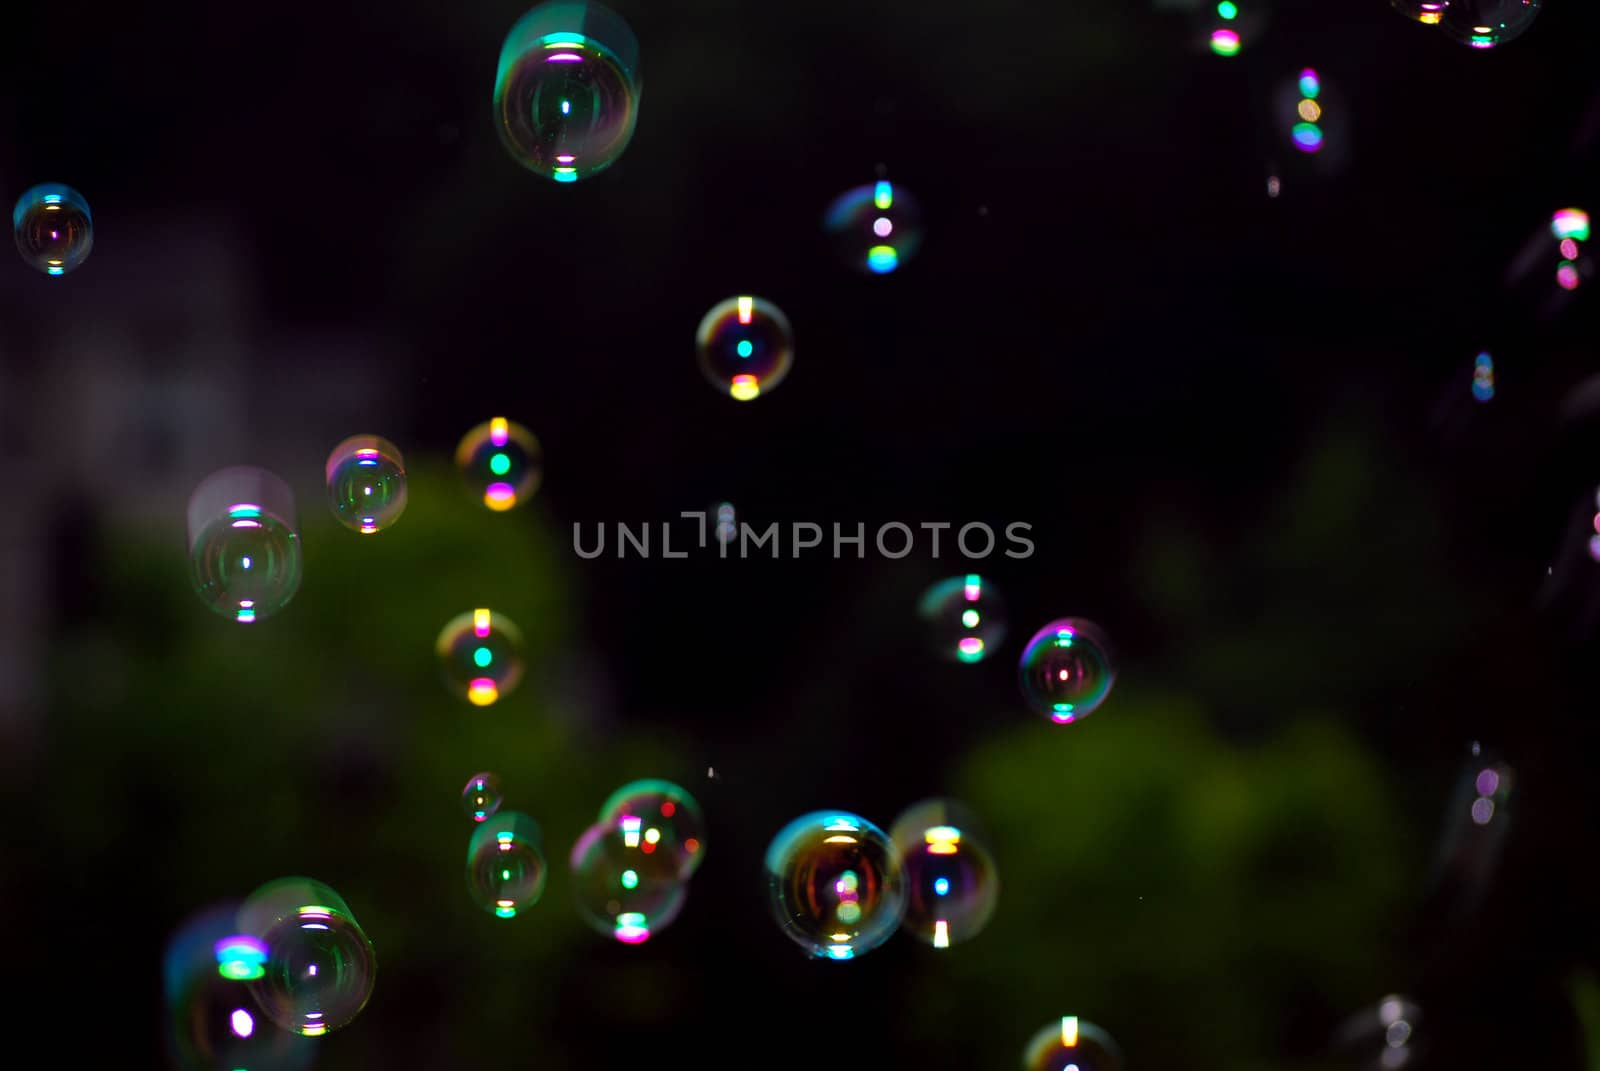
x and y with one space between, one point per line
1240 426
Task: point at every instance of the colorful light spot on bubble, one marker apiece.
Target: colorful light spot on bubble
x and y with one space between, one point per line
660 819
244 549
963 618
1483 377
744 346
53 228
506 869
481 796
875 228
1066 670
835 884
480 656
320 967
951 881
366 481
1225 42
623 892
502 463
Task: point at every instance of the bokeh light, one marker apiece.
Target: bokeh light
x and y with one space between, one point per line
1072 1044
481 796
952 887
480 656
621 891
745 347
874 228
1484 24
244 547
1382 1037
320 966
964 618
1483 377
836 883
661 820
1427 12
53 228
366 479
1066 671
502 462
506 869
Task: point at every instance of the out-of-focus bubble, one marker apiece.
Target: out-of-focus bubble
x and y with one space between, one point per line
874 228
53 228
566 96
1274 185
501 461
366 483
1227 27
745 347
964 617
320 966
1483 377
836 884
1381 1038
1472 841
1072 1044
1427 12
1066 670
1487 23
661 820
244 550
727 524
480 655
1313 122
951 883
506 869
621 891
481 796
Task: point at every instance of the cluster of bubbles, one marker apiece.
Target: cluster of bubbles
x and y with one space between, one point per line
631 868
1478 24
1073 1044
1483 377
1382 1037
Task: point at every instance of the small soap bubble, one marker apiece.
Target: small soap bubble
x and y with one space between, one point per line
727 524
506 870
661 820
53 228
621 891
244 550
1227 27
951 882
482 796
1483 377
1382 1037
875 228
1066 670
836 884
501 461
1427 12
1487 23
745 346
566 96
320 967
1072 1044
480 654
964 618
366 483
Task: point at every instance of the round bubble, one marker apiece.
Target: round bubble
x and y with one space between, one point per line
660 819
502 463
53 228
836 884
951 883
1072 1044
964 618
566 96
874 228
745 347
481 796
319 965
506 869
244 549
1382 1036
1228 27
621 891
1488 23
1066 670
480 656
1427 12
366 479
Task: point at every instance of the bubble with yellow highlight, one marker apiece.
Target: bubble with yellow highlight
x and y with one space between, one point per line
480 655
366 479
244 549
506 869
1072 1044
502 462
53 228
622 891
1427 12
952 886
874 228
835 884
1066 670
661 820
745 347
319 967
481 796
1485 24
964 618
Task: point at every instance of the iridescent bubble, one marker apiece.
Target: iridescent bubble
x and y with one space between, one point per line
1427 12
1382 1037
53 228
622 892
1488 23
320 966
727 524
660 819
1066 670
481 796
1227 27
1483 377
244 550
506 869
480 654
836 884
502 462
875 228
566 96
366 483
745 346
952 887
1072 1044
964 617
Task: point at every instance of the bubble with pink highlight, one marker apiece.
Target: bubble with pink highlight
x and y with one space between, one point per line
874 228
964 618
622 892
366 478
480 656
502 463
244 546
1066 671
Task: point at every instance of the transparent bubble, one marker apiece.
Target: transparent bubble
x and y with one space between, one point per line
622 892
1488 23
875 228
964 617
566 96
506 869
836 884
480 654
727 524
1381 1037
366 483
244 550
502 462
951 884
745 346
481 796
1427 12
1066 670
1227 27
319 967
660 819
1072 1044
1483 377
53 228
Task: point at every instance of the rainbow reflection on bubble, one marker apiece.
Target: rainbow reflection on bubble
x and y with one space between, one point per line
623 891
481 796
53 229
952 886
663 821
244 550
366 481
1427 12
320 965
1483 377
874 228
480 656
964 617
501 461
1570 223
745 347
1485 24
1225 42
1071 1043
506 869
836 884
1066 670
240 958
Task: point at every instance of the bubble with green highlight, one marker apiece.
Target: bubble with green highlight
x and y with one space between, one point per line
1485 24
1066 671
963 617
835 884
244 547
53 228
745 347
874 228
320 966
506 869
366 479
1071 1044
481 796
502 463
621 891
480 656
952 887
663 821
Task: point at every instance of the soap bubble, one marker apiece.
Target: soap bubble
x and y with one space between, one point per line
566 96
1488 23
502 461
836 884
506 869
1483 377
1427 12
482 796
660 819
244 551
622 892
366 483
1072 1044
319 968
727 524
1226 27
1066 670
952 887
745 346
1381 1038
53 228
875 228
480 653
964 617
